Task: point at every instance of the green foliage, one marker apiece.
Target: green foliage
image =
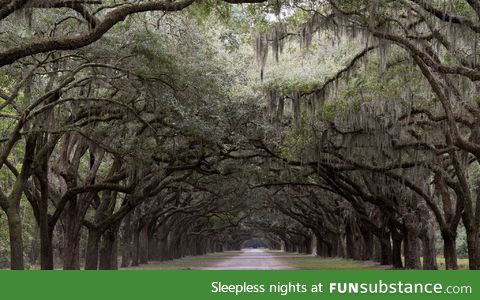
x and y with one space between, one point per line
461 7
185 91
295 143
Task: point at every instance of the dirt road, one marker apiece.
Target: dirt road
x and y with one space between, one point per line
250 259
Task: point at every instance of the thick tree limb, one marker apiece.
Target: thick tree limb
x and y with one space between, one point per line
78 41
347 68
446 17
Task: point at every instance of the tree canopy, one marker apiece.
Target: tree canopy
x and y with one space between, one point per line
151 130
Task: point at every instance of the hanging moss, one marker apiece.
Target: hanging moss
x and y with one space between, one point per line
296 109
261 51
